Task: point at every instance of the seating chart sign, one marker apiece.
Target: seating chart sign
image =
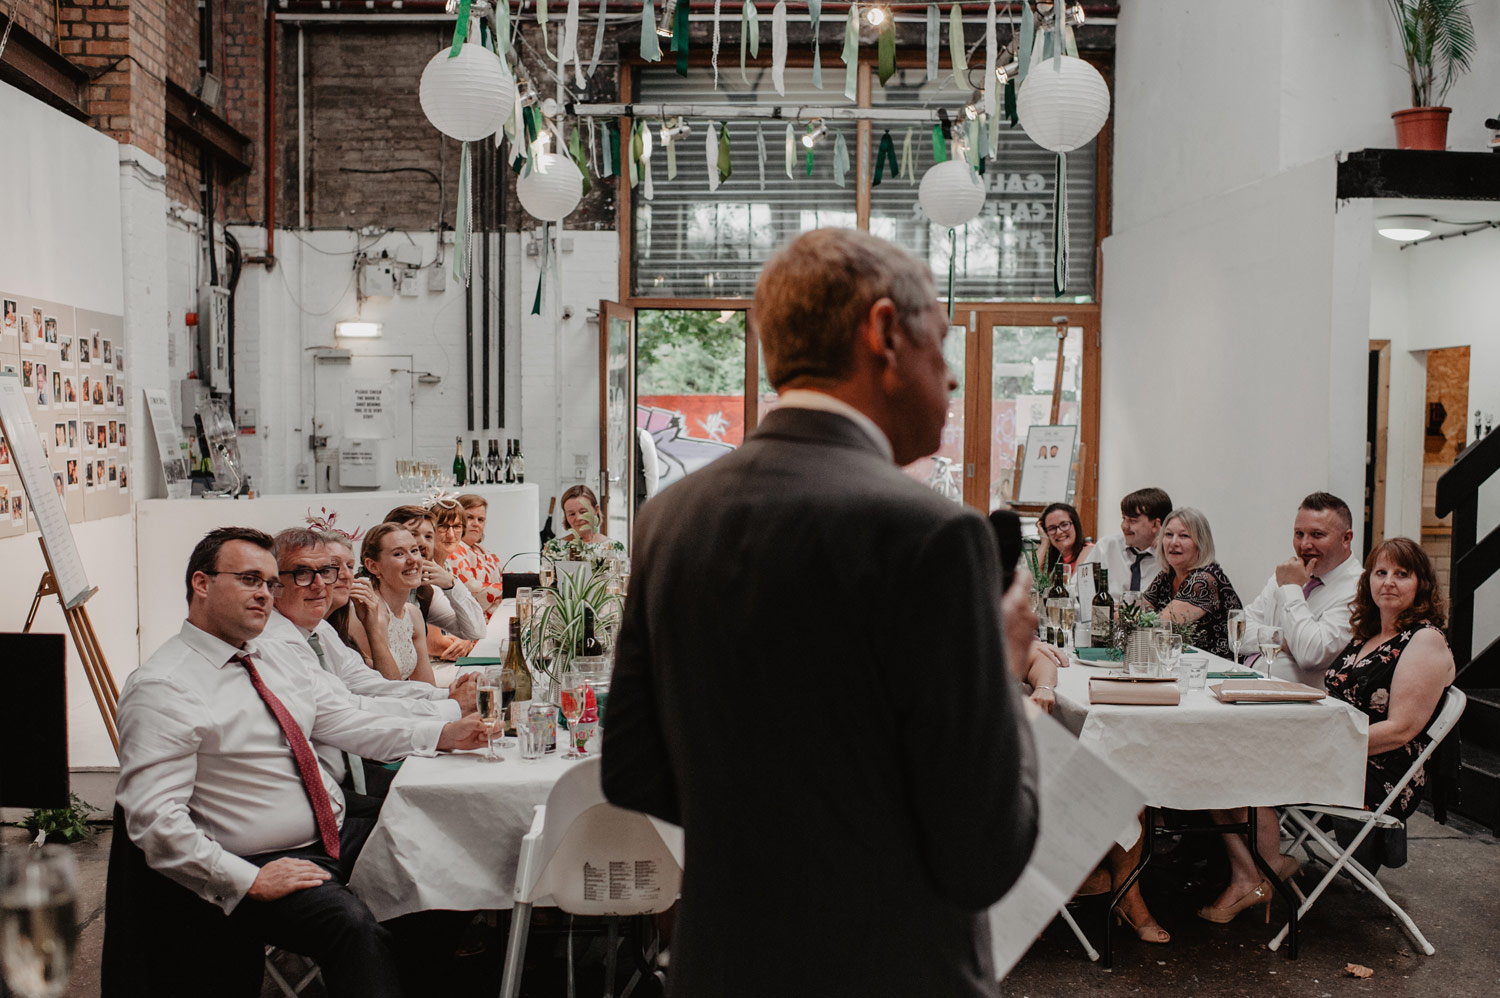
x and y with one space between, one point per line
1045 464
29 458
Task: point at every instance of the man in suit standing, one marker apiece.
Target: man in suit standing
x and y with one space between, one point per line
810 677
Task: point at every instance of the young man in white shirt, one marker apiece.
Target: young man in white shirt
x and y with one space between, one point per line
1130 556
1308 595
221 789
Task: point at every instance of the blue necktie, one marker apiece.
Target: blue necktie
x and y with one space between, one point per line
1135 570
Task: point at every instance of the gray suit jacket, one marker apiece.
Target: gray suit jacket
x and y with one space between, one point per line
810 680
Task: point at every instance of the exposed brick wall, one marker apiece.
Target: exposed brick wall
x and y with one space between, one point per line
243 29
37 17
183 175
182 43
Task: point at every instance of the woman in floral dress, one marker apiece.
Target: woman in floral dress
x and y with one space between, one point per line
475 567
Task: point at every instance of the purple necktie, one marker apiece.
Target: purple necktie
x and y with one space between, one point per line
1312 583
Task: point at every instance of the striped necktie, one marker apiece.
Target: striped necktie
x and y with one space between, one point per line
355 763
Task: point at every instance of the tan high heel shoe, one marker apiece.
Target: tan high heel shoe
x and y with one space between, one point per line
1146 932
1259 894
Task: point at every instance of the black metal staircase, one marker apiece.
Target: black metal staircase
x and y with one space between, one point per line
1474 561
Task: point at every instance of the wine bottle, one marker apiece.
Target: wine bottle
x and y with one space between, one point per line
518 464
515 664
1058 590
460 473
1102 614
590 645
492 463
476 463
510 462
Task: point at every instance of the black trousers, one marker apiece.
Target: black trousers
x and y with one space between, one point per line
328 923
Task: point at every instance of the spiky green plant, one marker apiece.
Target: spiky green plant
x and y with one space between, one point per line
560 618
1437 38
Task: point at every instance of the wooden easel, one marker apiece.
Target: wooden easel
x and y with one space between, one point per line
101 680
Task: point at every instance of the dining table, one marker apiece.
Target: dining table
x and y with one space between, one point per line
1202 754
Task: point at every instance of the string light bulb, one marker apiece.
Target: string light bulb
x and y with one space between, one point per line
819 130
876 15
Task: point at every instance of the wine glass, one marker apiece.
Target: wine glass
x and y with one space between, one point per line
38 925
572 696
488 701
1271 640
1237 625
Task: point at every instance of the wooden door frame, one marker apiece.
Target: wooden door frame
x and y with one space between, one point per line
607 310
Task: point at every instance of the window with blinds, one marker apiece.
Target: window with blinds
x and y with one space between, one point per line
688 242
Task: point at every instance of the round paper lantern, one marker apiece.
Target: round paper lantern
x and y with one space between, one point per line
951 193
551 196
1063 103
469 96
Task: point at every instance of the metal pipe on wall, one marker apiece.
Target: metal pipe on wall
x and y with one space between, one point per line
301 132
486 206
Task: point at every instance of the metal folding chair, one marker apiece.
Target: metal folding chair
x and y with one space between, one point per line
1341 859
307 974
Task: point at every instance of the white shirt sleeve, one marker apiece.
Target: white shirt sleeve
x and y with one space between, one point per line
344 725
463 616
350 667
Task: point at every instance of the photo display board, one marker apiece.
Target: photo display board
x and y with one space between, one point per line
72 369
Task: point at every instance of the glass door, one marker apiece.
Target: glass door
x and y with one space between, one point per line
617 419
947 472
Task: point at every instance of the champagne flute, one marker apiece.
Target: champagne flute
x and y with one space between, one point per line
488 703
1237 626
1270 647
573 694
1068 614
38 927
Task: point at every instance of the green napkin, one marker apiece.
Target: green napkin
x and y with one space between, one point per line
1099 654
479 661
1243 674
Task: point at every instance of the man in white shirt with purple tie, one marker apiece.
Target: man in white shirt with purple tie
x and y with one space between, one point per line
1308 595
219 783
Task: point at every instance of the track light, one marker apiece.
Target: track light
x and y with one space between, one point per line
876 15
1076 15
819 130
677 131
668 18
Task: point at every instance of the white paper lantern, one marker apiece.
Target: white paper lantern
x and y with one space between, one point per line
469 96
551 196
1062 106
951 193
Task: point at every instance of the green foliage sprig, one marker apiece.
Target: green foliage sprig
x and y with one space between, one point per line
60 824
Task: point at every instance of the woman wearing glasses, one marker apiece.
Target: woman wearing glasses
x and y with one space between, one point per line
1062 538
392 559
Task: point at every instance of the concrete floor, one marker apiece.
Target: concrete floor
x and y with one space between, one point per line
1451 887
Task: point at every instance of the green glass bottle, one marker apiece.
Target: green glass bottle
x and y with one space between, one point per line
460 473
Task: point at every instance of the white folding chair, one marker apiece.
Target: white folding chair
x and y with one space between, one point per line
1341 859
308 973
588 857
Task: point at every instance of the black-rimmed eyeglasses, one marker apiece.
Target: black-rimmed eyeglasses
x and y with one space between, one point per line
303 575
252 582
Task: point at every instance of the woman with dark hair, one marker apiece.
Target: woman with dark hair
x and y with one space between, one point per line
1062 538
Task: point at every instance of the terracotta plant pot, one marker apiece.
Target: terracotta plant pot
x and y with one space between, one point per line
1422 128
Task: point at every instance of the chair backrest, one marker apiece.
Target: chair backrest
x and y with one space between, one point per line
594 858
1450 709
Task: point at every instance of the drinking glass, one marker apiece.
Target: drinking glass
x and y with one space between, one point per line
531 731
1237 625
1169 653
491 711
1271 640
38 927
572 697
1194 674
546 574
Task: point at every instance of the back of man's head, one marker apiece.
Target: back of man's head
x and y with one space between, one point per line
816 291
205 556
1320 502
1152 503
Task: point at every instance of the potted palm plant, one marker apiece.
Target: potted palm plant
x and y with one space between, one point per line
1437 39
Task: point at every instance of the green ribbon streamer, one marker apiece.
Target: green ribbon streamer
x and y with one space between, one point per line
460 29
533 119
461 219
637 149
939 145
956 48
1010 103
650 47
502 31
1060 228
952 266
908 160
541 279
887 154
1028 42
726 169
612 147
814 16
680 38
749 35
886 49
575 147
810 151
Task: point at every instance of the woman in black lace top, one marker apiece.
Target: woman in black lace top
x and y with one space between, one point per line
1191 587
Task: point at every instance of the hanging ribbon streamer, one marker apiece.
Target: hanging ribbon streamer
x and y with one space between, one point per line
952 267
1060 228
778 47
956 48
711 156
463 219
650 47
541 276
726 168
814 17
791 149
885 50
542 19
749 35
643 142
908 158
1028 40
851 53
810 150
886 155
598 36
460 29
991 105
940 137
840 159
502 33
934 41
570 43
760 149
669 140
575 147
1012 113
714 58
637 152
680 38
971 143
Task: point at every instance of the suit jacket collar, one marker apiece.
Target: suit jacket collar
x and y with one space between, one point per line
816 426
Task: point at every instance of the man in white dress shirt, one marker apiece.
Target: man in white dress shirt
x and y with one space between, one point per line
1308 595
307 568
221 790
1130 555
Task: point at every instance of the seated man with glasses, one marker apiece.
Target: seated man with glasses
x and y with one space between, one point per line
308 568
221 789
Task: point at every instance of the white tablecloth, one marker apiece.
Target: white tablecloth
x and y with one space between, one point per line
1206 754
450 832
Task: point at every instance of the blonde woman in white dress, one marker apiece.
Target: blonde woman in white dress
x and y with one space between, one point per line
393 561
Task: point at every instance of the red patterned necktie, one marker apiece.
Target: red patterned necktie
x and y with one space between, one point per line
307 763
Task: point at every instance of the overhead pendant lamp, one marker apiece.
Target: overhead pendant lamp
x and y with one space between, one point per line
467 96
1063 103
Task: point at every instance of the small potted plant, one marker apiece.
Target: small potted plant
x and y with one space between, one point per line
1437 39
555 633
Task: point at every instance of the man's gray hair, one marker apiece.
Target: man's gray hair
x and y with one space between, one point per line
295 539
816 291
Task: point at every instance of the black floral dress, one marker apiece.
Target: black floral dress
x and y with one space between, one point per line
1207 588
1365 683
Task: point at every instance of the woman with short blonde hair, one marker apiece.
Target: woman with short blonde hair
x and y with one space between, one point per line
1191 588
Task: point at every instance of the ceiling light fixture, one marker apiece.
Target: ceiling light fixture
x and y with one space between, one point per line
668 18
354 330
1404 228
876 15
819 130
